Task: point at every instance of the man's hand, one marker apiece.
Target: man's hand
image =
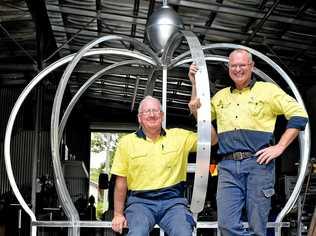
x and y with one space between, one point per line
118 223
194 105
268 154
192 72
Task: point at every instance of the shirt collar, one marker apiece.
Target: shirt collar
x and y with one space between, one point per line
140 133
250 85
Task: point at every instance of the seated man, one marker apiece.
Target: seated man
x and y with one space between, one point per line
151 167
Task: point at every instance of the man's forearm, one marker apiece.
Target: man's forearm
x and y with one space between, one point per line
287 137
120 195
193 91
193 104
214 138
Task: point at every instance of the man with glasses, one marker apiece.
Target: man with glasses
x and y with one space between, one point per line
246 114
151 167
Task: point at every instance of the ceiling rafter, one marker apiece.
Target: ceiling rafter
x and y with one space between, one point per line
282 30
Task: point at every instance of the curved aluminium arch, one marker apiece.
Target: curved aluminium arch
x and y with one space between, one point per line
256 71
203 117
204 124
85 86
62 191
23 96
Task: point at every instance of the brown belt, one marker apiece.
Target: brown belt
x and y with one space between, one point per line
237 156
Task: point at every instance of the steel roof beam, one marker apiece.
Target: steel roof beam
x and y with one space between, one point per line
253 13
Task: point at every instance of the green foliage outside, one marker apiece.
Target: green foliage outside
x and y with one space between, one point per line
100 209
94 175
103 142
97 142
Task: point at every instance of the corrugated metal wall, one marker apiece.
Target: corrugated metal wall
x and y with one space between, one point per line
22 148
23 140
22 145
7 100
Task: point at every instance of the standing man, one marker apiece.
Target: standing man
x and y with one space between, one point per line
246 114
151 167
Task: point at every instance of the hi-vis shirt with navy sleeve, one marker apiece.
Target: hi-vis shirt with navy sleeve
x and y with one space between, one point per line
246 118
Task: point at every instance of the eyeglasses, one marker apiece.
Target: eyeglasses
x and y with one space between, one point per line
149 111
241 66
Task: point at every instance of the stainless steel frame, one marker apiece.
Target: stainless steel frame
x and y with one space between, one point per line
203 125
203 154
63 193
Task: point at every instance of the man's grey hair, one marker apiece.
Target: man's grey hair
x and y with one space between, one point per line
243 50
147 98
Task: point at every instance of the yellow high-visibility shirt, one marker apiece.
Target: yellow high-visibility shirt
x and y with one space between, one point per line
246 118
152 165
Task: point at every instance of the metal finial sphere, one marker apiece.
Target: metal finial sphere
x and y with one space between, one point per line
161 25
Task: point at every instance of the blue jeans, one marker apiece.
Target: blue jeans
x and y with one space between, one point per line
172 215
242 184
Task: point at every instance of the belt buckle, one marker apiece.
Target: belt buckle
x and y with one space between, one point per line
238 156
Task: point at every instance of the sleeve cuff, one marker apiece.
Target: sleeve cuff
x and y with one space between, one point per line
297 122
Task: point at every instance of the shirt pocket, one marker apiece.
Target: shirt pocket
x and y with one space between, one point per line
256 107
170 155
223 110
139 162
